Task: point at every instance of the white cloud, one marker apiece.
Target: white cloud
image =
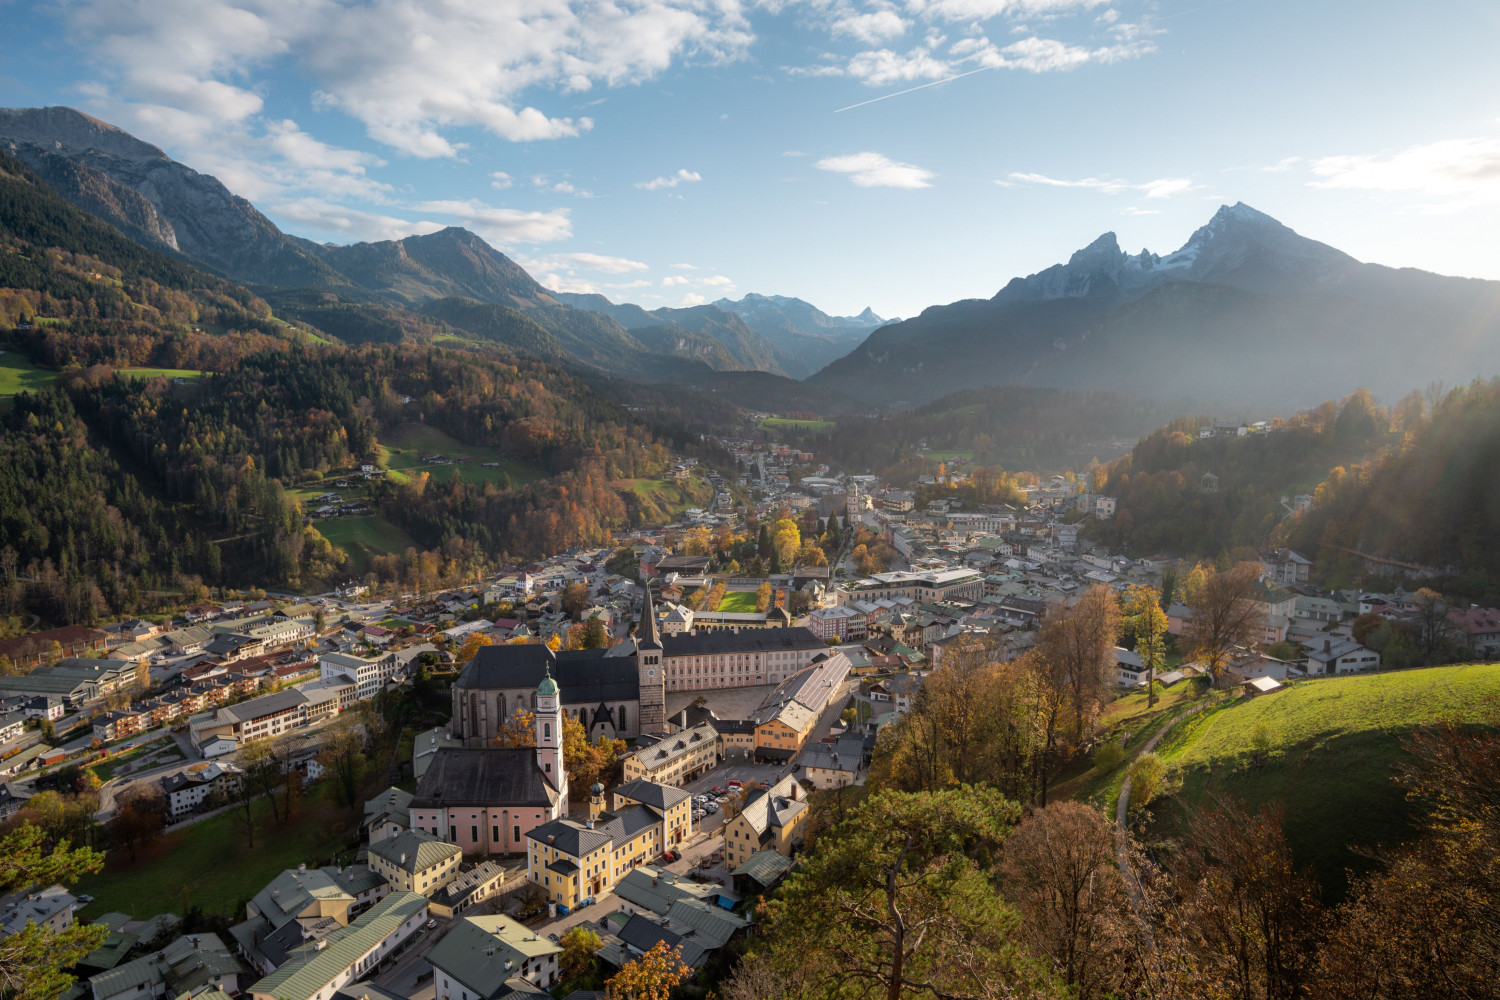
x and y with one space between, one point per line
871 28
347 223
1283 165
983 10
600 262
504 226
684 267
717 281
693 299
409 71
500 180
1164 187
875 170
930 61
673 280
1449 175
681 177
637 283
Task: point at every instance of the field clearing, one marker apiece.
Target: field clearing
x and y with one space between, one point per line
18 375
738 602
365 537
949 455
401 452
161 372
1333 747
787 423
209 864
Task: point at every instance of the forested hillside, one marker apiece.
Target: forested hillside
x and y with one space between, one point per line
114 473
1430 501
1165 504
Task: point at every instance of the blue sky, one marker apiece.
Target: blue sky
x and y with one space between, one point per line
674 151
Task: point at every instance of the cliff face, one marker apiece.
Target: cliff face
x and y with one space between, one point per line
150 197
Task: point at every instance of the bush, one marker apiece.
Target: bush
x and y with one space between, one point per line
1149 780
1108 757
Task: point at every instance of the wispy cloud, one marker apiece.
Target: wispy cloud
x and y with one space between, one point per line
1163 187
600 262
671 181
500 180
504 226
1448 175
876 170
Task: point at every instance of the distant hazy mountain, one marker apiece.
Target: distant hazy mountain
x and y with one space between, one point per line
1246 311
691 332
801 329
153 199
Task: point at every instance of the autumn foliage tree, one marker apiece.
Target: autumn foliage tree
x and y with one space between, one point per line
653 976
1226 618
32 958
517 730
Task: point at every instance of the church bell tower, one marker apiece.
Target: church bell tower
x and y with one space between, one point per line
549 735
648 661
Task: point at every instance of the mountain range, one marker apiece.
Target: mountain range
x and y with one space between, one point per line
168 206
1246 313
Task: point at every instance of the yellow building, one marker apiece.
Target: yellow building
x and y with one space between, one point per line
415 861
773 819
572 861
674 759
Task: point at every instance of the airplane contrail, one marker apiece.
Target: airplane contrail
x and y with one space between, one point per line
910 90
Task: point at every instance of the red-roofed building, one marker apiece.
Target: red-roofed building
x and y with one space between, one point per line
1481 628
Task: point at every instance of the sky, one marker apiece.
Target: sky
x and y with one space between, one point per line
886 153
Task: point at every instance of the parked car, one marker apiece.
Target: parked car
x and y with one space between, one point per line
735 782
717 790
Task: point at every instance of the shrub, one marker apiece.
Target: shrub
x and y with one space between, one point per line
1108 757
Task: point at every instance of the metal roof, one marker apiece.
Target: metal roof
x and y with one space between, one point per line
489 776
304 976
476 949
765 867
414 850
660 797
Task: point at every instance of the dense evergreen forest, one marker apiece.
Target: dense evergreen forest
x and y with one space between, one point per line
115 486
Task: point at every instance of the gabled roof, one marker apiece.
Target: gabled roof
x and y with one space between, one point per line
642 933
414 851
765 640
659 797
656 889
770 808
484 776
307 972
476 950
569 837
765 867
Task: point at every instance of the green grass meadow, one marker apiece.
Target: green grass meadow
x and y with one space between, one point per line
365 537
1334 751
210 864
737 602
402 450
18 375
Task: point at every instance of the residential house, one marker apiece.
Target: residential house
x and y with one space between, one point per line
415 861
771 819
190 789
833 765
491 958
1338 655
303 905
189 965
786 719
315 971
50 908
387 814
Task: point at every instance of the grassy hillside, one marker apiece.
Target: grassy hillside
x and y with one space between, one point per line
366 537
657 500
1328 750
19 375
404 447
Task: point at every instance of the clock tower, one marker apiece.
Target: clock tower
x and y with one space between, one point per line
648 661
549 735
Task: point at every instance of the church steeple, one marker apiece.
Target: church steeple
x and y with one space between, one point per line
651 670
646 635
549 732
